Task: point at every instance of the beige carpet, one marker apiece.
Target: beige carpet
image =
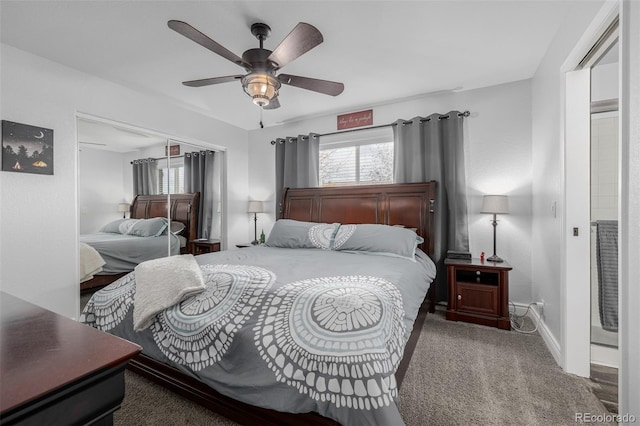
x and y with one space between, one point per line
460 374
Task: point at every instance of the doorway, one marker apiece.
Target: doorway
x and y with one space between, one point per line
604 184
600 40
604 213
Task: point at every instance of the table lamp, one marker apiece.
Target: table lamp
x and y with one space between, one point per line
123 208
495 204
255 207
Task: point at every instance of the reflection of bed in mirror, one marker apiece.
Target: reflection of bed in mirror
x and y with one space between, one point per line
129 243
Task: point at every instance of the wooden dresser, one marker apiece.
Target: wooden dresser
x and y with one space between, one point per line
55 370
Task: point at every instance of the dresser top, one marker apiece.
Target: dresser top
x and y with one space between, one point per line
41 351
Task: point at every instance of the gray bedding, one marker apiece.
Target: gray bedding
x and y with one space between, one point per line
295 330
123 252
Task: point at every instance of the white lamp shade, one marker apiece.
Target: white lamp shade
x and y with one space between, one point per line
495 204
255 207
123 207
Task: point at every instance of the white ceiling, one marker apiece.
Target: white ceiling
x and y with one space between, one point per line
114 137
380 50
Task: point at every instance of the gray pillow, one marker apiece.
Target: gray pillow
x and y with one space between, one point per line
381 240
119 226
149 227
112 227
288 233
176 228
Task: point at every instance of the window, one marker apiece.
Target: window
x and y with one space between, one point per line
365 158
171 179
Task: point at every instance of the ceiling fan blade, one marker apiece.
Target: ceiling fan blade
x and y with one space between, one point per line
191 33
210 81
300 40
273 104
322 86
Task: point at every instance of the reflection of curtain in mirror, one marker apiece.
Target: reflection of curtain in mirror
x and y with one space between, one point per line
144 177
202 173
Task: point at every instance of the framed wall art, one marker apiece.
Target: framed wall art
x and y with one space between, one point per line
355 119
26 149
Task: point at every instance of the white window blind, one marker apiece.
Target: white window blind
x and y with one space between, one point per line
357 158
171 179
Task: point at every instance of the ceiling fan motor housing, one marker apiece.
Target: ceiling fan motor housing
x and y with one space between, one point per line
259 60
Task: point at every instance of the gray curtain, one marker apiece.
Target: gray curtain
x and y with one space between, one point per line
432 148
200 176
145 177
297 164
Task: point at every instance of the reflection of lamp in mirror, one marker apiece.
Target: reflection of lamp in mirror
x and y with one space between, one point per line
495 204
255 207
123 208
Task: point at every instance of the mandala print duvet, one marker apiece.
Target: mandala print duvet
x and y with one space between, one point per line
337 339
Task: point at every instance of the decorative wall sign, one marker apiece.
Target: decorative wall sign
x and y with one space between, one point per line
173 150
355 119
26 149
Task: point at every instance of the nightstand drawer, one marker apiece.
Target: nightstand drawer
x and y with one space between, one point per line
477 276
478 298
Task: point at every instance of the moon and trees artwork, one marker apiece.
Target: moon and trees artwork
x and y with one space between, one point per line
26 149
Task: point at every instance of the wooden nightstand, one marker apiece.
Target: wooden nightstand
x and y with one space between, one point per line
203 246
478 292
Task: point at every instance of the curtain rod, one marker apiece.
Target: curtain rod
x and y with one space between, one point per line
157 158
171 156
422 120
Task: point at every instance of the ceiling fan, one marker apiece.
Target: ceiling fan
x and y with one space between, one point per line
261 82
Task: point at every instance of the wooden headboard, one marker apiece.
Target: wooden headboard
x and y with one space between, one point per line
184 208
408 204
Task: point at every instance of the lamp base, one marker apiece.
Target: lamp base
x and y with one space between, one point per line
494 258
255 242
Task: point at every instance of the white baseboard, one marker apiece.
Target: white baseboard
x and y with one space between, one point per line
602 355
548 338
605 355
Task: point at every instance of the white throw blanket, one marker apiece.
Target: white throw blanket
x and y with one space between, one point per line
90 262
161 283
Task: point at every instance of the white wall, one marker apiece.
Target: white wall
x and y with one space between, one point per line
100 187
605 81
498 158
604 166
40 213
548 157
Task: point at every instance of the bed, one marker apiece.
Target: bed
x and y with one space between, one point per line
121 251
356 316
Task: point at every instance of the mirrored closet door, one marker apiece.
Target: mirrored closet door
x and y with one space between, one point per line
142 195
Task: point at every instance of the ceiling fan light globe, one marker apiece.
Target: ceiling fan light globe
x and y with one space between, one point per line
261 87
